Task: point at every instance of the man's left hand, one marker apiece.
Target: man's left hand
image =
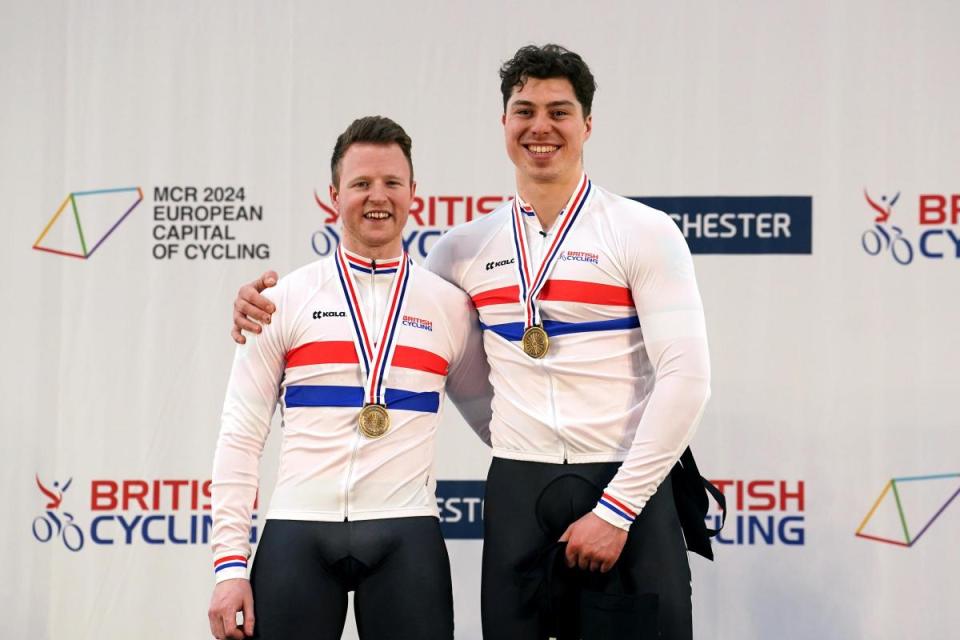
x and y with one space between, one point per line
593 543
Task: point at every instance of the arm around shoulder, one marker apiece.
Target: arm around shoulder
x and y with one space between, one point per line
468 381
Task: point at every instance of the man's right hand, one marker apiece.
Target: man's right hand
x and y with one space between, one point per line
229 597
251 309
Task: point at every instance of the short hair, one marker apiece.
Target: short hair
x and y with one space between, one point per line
372 129
548 61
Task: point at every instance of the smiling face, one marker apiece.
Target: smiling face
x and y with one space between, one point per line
545 129
373 198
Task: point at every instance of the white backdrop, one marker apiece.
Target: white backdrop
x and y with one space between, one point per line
833 367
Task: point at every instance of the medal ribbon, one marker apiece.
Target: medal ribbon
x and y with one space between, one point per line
375 359
530 284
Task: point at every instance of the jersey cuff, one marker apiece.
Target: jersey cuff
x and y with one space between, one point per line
230 567
615 511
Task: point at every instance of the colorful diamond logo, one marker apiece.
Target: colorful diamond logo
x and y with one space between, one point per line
907 507
96 215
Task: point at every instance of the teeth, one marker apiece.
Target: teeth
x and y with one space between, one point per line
543 148
376 215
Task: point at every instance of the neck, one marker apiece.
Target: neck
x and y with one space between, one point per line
381 252
547 197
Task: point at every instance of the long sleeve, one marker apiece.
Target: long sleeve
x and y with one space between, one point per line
468 381
251 399
664 288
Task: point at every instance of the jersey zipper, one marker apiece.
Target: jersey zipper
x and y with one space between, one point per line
553 413
346 486
373 298
553 403
356 437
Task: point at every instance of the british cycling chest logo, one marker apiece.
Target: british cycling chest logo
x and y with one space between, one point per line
56 524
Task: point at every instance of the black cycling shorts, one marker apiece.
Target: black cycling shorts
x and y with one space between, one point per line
398 567
528 593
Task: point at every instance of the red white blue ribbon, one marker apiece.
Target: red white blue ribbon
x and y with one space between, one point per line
532 282
367 266
375 358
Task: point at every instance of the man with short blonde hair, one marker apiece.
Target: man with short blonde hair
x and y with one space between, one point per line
360 392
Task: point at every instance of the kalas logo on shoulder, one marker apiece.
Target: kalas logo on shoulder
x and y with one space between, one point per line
907 508
937 238
319 315
129 512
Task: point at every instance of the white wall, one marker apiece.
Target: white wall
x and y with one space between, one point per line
834 368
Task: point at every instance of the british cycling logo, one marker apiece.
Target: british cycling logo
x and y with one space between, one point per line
50 524
879 239
760 512
130 511
107 208
937 238
429 218
927 496
711 224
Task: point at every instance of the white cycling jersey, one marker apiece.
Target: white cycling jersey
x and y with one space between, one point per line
627 374
306 361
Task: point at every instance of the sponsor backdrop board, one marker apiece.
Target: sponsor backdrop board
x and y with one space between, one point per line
155 156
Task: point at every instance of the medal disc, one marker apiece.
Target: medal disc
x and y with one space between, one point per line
374 421
536 342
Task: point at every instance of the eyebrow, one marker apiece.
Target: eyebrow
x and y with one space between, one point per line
555 103
369 178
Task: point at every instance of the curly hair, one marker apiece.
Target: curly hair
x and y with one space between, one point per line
548 61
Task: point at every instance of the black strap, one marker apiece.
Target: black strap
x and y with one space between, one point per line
690 495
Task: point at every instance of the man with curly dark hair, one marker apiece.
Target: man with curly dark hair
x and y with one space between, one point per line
594 330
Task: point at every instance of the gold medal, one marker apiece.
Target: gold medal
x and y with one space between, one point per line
536 342
374 421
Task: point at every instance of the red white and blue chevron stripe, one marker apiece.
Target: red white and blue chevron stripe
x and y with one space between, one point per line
530 284
376 359
229 561
618 507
